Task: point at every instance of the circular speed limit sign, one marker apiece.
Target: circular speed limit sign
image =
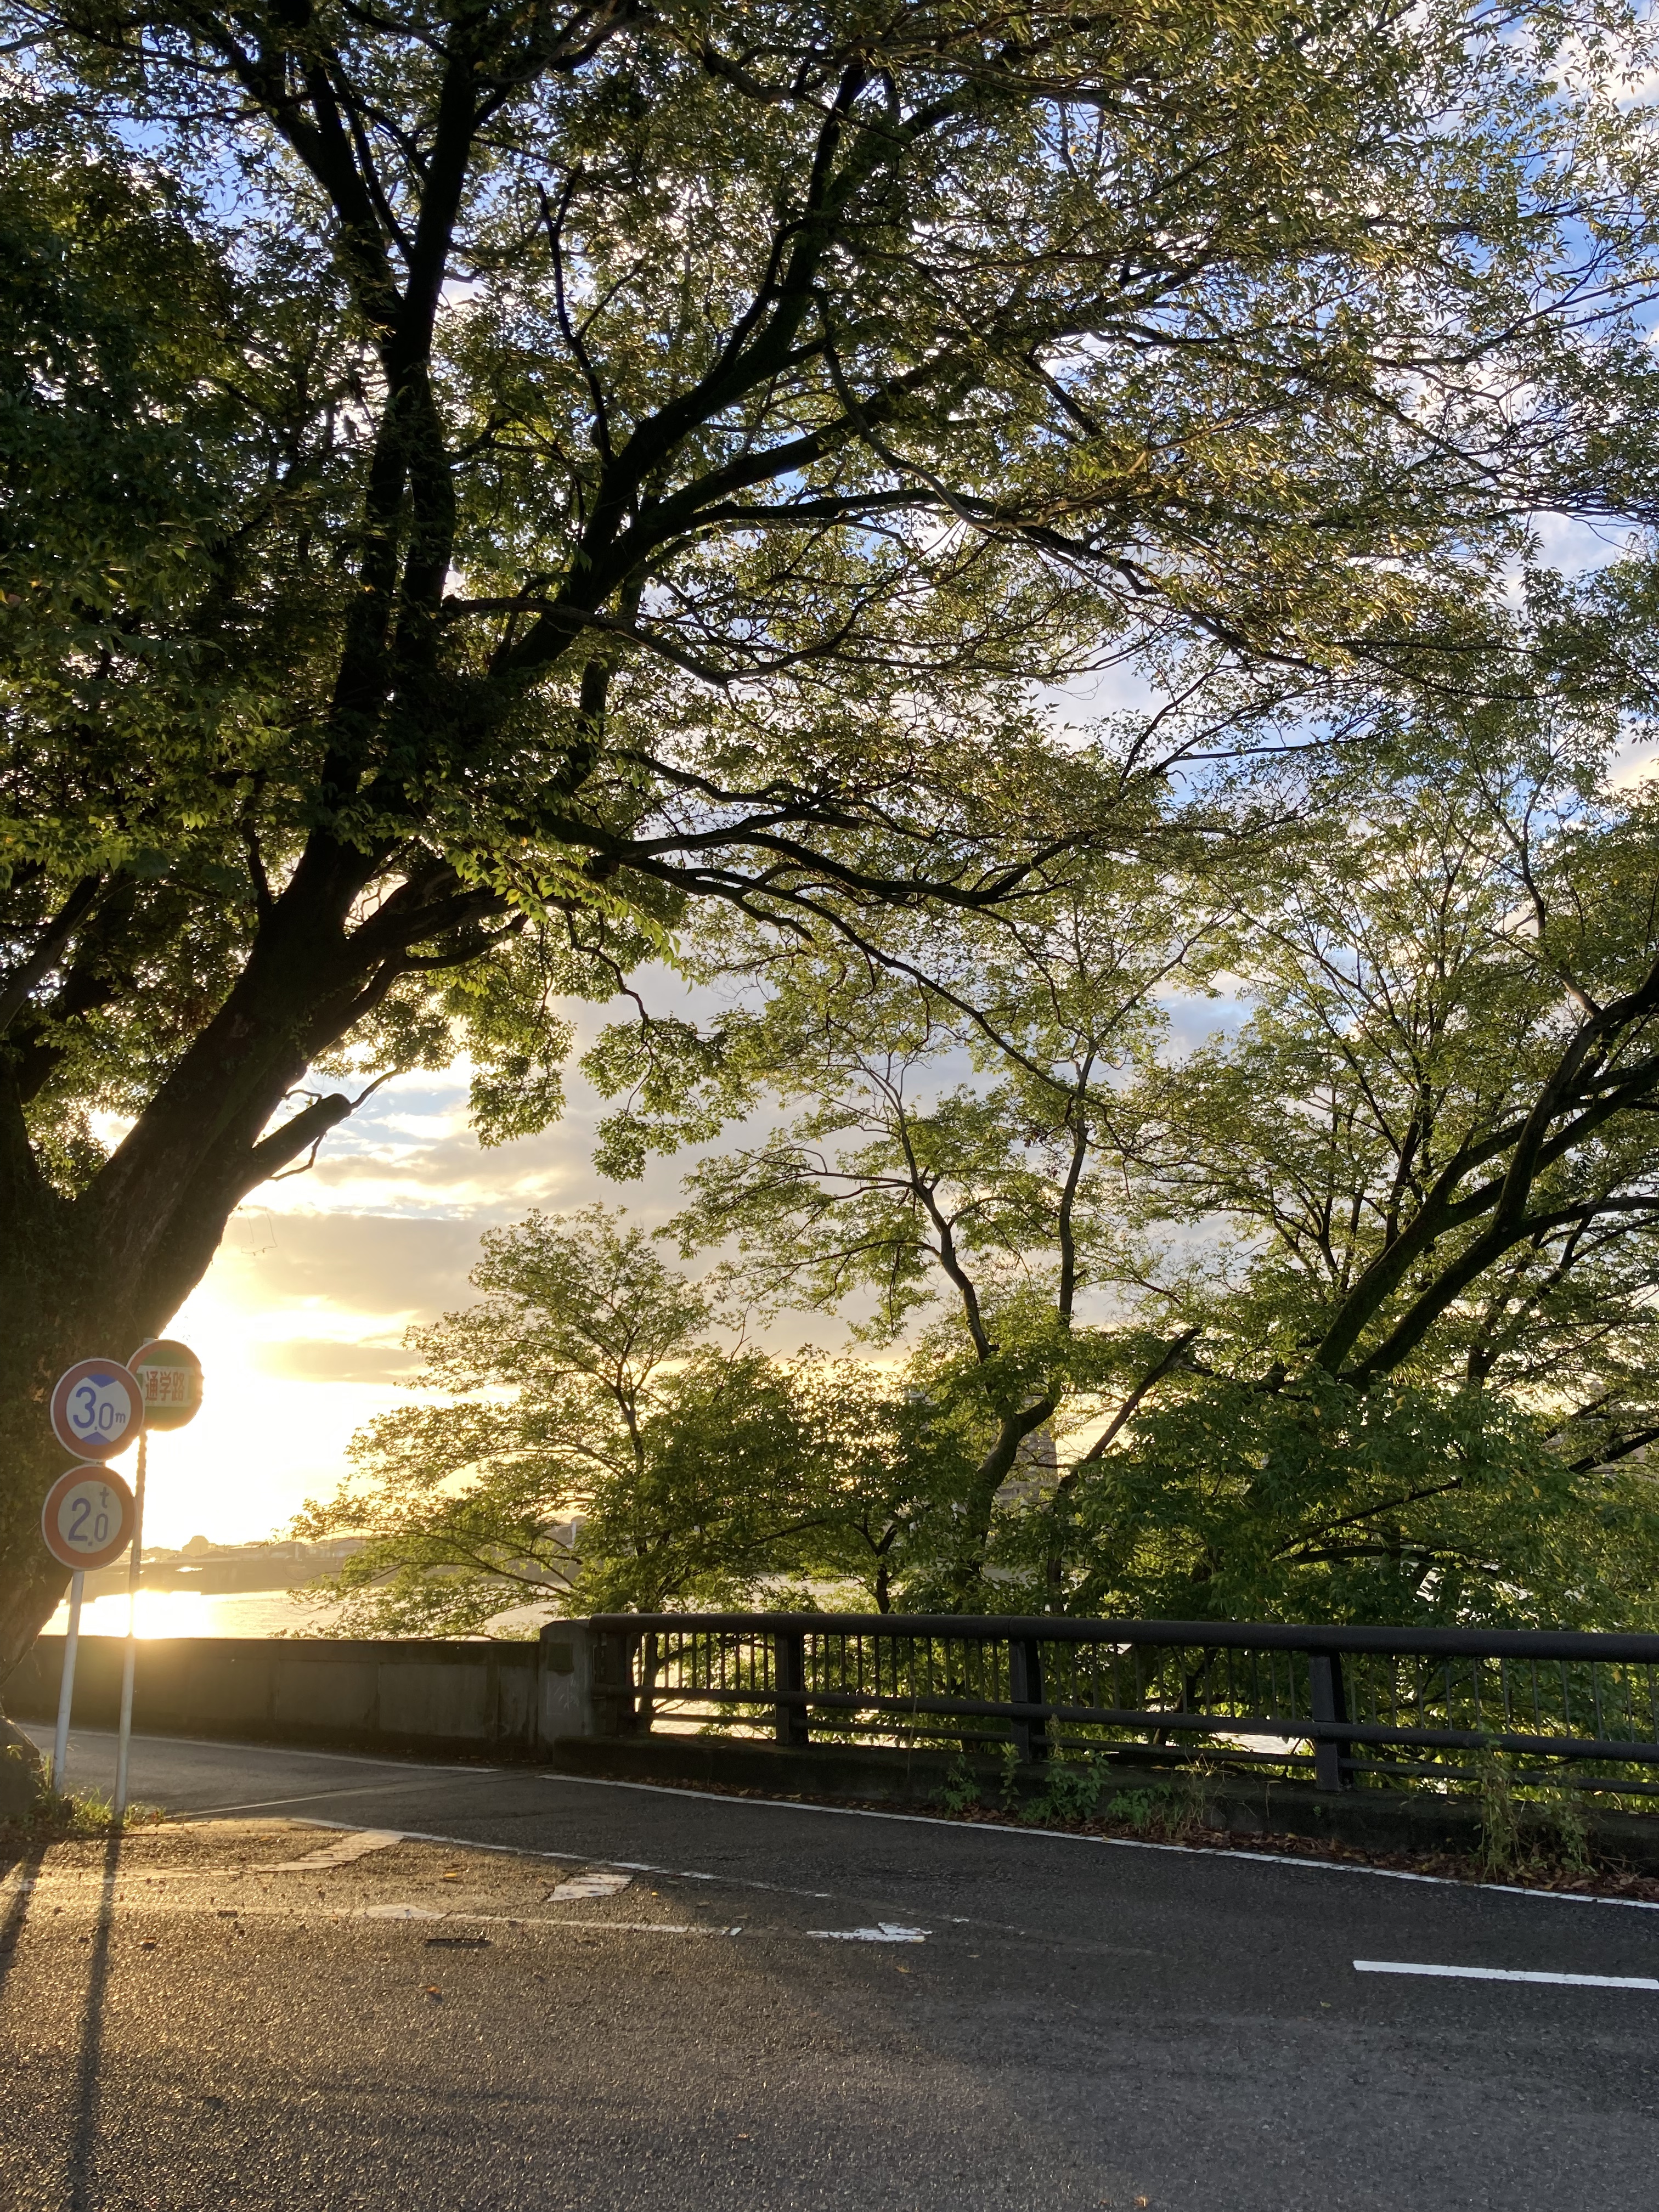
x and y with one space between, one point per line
87 1517
97 1409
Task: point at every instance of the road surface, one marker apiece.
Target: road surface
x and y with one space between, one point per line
604 1998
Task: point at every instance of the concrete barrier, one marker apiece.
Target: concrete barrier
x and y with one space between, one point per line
500 1700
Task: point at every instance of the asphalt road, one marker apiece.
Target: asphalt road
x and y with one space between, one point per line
644 1999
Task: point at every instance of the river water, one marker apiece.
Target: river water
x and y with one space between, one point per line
195 1613
238 1613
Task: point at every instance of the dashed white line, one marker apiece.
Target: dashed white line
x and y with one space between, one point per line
355 1845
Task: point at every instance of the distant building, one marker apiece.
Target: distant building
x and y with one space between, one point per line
1036 1467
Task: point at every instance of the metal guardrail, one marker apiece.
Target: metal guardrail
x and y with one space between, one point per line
1387 1703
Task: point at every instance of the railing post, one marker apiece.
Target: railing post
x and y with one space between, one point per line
614 1713
789 1672
1329 1704
1025 1688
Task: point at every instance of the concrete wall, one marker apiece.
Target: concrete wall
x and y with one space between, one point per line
494 1700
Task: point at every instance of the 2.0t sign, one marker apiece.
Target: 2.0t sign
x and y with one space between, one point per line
88 1518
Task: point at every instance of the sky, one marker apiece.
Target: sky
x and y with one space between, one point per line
298 1321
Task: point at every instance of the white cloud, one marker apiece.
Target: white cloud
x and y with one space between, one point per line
300 1320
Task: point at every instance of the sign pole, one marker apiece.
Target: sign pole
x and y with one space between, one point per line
131 1661
66 1689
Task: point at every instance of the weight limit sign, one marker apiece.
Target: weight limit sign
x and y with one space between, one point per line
88 1518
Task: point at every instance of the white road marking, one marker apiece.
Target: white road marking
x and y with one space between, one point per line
185 1814
309 1797
597 1884
356 1845
574 1858
534 1926
886 1931
1507 1974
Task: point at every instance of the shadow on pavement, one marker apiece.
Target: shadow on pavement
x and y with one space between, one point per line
87 2092
11 1927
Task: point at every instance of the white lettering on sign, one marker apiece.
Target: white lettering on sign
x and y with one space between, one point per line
170 1375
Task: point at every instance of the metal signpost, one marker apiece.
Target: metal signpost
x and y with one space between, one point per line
95 1407
168 1377
87 1521
98 1407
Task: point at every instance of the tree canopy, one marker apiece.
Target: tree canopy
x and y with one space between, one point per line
1350 1305
1122 1287
592 1441
480 485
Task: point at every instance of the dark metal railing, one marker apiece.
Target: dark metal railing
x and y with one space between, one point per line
1389 1704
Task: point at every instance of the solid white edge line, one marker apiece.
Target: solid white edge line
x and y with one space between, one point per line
1071 1836
287 1751
1507 1974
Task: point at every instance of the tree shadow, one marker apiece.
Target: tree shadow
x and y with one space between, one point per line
87 2092
29 1857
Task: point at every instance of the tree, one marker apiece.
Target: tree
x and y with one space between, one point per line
593 464
1432 1144
1434 1138
595 1448
1318 1501
982 1207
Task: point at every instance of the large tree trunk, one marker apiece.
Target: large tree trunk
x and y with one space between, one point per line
69 1290
50 1313
44 1332
979 1507
93 1275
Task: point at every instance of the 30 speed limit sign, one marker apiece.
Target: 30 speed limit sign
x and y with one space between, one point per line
87 1517
97 1409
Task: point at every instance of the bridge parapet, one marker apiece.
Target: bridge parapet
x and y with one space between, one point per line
1333 1704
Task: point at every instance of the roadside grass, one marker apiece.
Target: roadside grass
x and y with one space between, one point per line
70 1816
